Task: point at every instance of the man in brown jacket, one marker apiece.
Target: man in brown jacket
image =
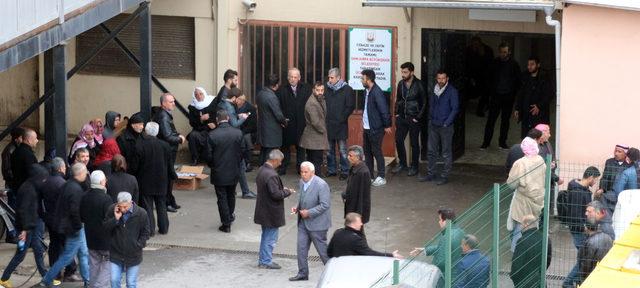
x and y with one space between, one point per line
269 211
314 138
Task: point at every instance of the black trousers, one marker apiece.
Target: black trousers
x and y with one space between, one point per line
159 201
373 149
501 105
171 200
404 127
226 203
316 158
56 246
300 157
197 143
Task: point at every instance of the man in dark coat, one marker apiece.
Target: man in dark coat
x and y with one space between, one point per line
169 134
70 224
29 222
270 118
340 101
411 109
293 97
376 121
269 212
50 195
532 107
93 208
128 229
21 160
130 142
153 176
515 152
505 82
119 180
478 57
7 172
614 166
526 261
350 241
225 148
596 245
249 127
357 195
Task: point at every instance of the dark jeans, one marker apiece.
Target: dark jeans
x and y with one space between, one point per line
171 200
300 153
34 241
404 126
331 157
574 277
440 141
226 203
159 201
501 105
56 246
373 149
197 143
315 157
244 186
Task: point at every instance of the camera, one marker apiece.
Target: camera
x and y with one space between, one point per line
250 4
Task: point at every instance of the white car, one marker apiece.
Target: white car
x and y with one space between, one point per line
365 271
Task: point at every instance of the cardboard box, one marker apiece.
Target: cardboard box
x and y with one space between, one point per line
189 178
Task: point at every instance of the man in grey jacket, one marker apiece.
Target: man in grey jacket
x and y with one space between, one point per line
271 120
314 218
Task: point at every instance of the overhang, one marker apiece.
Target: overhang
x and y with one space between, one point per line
617 4
464 4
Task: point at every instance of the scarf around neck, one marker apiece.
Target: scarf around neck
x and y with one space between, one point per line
438 91
199 105
337 86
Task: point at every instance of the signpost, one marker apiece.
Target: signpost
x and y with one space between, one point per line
370 48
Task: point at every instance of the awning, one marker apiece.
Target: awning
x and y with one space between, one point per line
464 4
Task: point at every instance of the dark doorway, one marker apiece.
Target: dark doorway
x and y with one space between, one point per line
447 49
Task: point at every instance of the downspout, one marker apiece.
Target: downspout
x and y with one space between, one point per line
556 25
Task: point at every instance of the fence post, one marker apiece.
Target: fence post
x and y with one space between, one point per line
545 220
396 272
447 265
496 236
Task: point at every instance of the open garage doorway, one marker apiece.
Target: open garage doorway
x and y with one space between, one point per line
451 50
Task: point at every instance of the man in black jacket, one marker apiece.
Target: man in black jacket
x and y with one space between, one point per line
340 102
505 82
128 229
596 245
93 209
532 107
614 166
225 148
7 173
269 212
357 194
130 142
29 222
271 120
411 107
153 178
249 127
21 160
293 97
349 241
70 224
169 134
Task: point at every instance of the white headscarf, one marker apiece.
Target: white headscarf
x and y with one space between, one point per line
205 102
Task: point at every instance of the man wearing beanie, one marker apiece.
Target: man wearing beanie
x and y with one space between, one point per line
130 142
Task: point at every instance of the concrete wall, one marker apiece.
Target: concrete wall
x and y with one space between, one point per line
599 102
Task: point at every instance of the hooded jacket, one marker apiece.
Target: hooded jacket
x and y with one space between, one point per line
109 127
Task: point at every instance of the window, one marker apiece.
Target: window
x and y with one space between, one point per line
173 48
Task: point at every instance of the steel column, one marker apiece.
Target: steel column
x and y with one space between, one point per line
49 117
448 266
145 62
495 247
59 100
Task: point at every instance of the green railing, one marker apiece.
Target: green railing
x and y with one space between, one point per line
487 221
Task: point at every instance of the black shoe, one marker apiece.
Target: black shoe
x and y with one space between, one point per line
412 172
225 228
427 178
398 168
442 181
343 176
299 278
273 265
249 195
249 168
504 146
484 146
12 240
177 206
171 209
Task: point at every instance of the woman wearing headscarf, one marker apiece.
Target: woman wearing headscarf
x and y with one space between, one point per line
98 129
86 139
202 114
527 178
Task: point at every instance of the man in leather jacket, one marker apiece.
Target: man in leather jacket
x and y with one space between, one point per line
411 107
169 134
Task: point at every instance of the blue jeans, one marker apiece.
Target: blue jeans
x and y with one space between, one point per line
75 244
573 277
116 275
331 157
516 234
267 243
34 241
244 186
